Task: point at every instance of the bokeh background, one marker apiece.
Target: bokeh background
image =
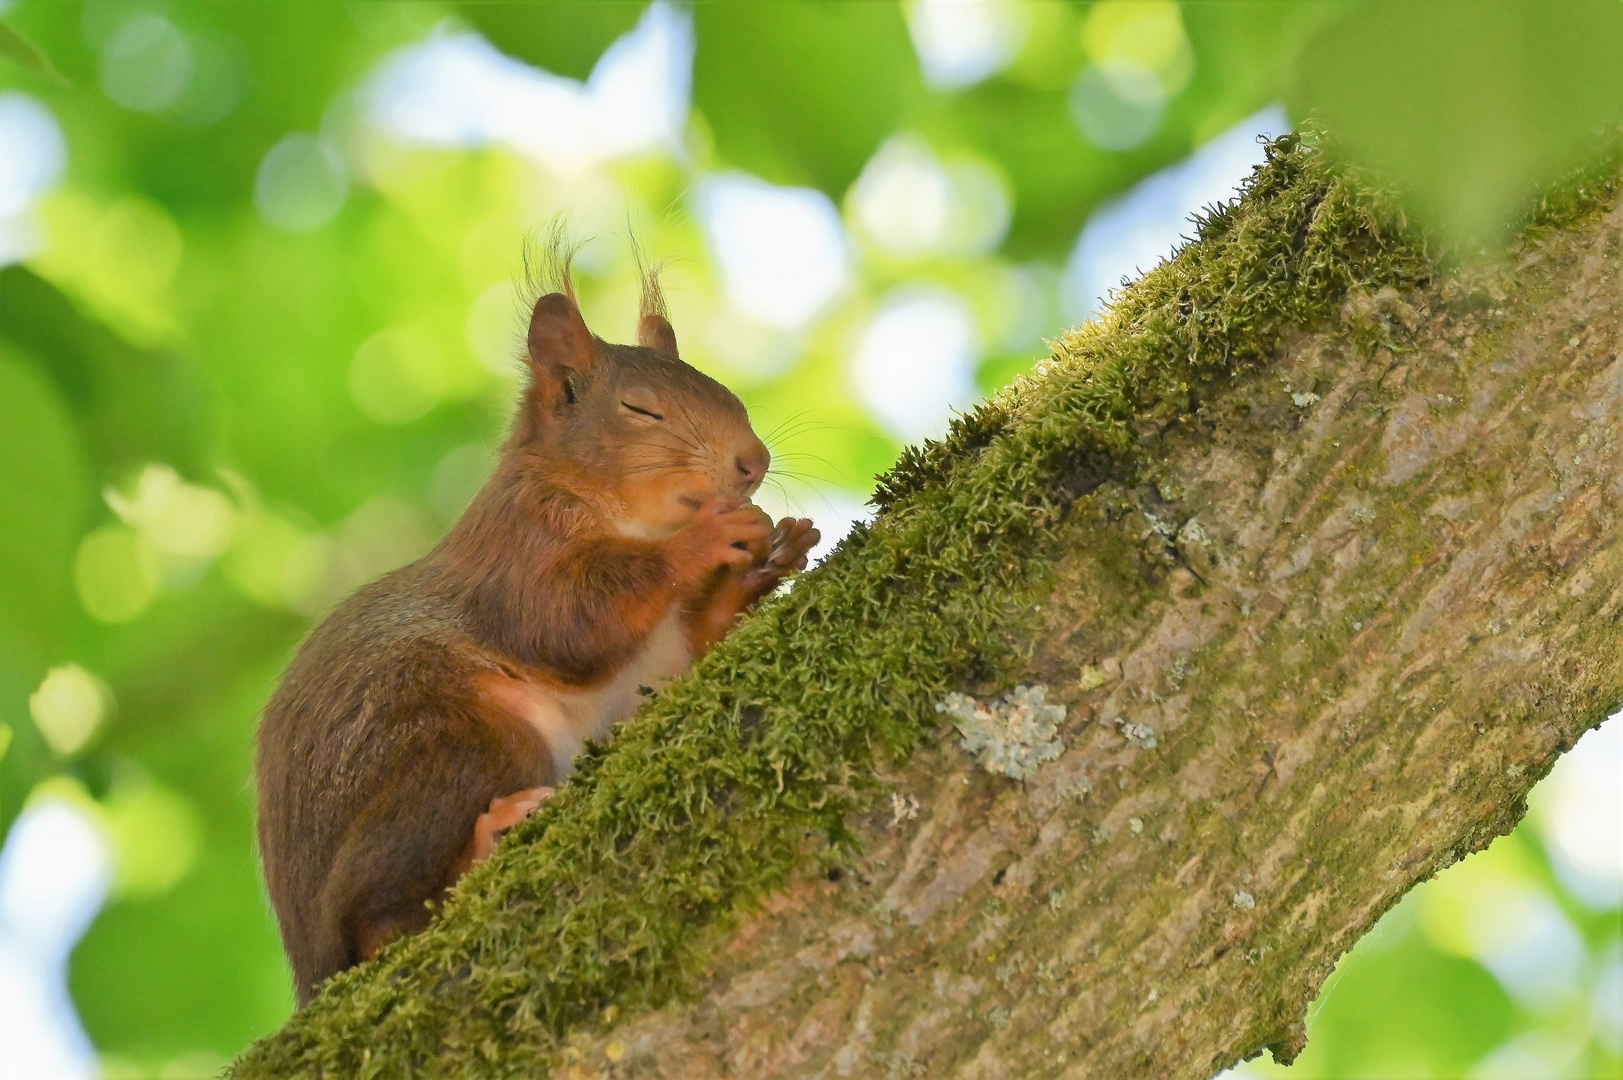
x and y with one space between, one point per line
259 314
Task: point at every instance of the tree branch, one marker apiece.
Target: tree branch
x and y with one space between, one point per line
1321 607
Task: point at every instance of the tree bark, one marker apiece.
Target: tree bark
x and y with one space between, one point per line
1318 623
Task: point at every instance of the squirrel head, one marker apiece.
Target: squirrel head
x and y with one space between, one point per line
632 426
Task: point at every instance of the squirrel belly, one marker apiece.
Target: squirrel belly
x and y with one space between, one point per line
565 717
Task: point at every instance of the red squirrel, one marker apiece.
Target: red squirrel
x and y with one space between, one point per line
614 543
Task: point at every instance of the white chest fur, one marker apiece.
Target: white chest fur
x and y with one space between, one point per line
567 719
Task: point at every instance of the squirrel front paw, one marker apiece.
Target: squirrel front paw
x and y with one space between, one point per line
724 532
792 540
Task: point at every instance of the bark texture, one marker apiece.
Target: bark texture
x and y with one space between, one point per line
1368 598
1316 635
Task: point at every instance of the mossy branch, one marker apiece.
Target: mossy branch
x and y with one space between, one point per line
782 857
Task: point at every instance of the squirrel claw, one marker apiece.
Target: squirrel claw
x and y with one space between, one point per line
791 541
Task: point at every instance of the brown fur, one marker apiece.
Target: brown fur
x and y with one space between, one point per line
420 717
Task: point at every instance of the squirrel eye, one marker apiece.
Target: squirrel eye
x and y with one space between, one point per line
642 412
569 389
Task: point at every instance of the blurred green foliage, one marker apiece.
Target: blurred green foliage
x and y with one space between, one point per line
211 426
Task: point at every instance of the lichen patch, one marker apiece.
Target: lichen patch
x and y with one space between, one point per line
1012 735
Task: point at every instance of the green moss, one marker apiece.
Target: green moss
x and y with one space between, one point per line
1279 259
737 775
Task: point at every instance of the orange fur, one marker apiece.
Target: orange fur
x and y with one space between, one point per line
612 545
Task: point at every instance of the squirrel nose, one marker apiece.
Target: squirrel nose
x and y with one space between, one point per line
752 462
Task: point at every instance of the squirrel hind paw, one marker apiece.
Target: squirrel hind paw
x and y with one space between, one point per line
505 812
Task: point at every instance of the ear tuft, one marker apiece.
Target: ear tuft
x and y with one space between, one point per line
547 255
654 322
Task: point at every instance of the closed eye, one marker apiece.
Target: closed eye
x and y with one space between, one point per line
642 412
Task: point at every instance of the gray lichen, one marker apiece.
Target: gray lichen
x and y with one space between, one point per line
1012 735
1140 735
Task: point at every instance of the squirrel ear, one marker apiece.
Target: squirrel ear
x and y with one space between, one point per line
654 332
559 342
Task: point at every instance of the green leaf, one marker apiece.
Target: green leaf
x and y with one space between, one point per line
131 405
43 494
803 93
26 55
542 35
1469 106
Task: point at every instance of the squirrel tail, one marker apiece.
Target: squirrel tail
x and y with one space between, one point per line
315 955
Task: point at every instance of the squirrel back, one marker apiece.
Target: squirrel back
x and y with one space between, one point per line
613 543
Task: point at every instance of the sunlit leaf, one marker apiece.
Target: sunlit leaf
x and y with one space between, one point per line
28 56
565 39
803 93
43 497
1468 105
